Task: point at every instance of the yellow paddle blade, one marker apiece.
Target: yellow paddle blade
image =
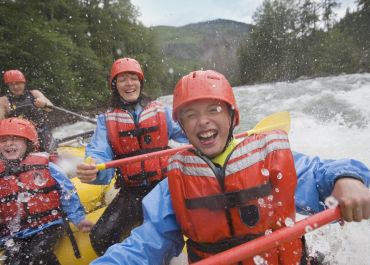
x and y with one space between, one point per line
276 121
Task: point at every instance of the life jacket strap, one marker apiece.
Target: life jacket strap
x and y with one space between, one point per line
217 247
138 131
229 199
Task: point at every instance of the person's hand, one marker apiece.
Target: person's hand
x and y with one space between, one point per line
40 103
85 225
87 171
353 198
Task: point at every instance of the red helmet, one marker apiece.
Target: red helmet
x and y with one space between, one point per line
14 76
19 127
125 65
203 85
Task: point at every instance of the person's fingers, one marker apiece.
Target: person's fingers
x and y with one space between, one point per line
346 208
87 178
357 214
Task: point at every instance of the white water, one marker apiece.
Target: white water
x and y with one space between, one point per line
330 118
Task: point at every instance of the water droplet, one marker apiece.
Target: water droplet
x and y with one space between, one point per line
24 197
54 212
67 195
268 232
258 260
261 202
265 172
14 225
308 229
331 202
279 175
219 108
9 243
277 190
39 179
270 197
289 222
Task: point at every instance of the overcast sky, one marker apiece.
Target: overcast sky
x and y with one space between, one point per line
179 13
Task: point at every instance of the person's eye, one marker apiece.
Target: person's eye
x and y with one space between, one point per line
190 115
215 109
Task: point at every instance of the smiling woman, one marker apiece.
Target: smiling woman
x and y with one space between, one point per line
135 125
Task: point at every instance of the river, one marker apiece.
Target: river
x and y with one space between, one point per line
330 118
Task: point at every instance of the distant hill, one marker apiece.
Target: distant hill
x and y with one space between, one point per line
208 45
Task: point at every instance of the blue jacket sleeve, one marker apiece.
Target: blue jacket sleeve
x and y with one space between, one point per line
316 179
175 131
100 149
70 201
156 241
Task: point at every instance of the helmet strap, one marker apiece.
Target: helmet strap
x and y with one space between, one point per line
230 137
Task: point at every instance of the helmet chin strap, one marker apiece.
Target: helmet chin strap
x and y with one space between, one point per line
231 130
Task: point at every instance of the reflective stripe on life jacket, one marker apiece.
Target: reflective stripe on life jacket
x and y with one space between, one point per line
128 138
250 196
29 195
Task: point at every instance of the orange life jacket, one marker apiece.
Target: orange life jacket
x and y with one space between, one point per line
250 196
128 139
29 195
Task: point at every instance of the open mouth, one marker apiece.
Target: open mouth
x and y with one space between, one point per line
129 91
10 151
207 136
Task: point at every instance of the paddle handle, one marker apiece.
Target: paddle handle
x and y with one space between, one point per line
273 240
72 113
128 160
167 152
278 120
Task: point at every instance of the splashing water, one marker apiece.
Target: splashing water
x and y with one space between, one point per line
330 118
289 222
258 260
331 202
265 172
39 179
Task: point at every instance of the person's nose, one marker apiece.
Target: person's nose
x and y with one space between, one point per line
204 119
129 81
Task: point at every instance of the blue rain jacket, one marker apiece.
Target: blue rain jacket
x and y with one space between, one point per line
159 238
70 203
100 149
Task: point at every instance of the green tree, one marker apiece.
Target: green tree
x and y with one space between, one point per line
66 47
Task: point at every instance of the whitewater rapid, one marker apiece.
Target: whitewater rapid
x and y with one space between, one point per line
330 118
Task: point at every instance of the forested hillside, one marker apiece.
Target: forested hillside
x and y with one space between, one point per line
207 45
